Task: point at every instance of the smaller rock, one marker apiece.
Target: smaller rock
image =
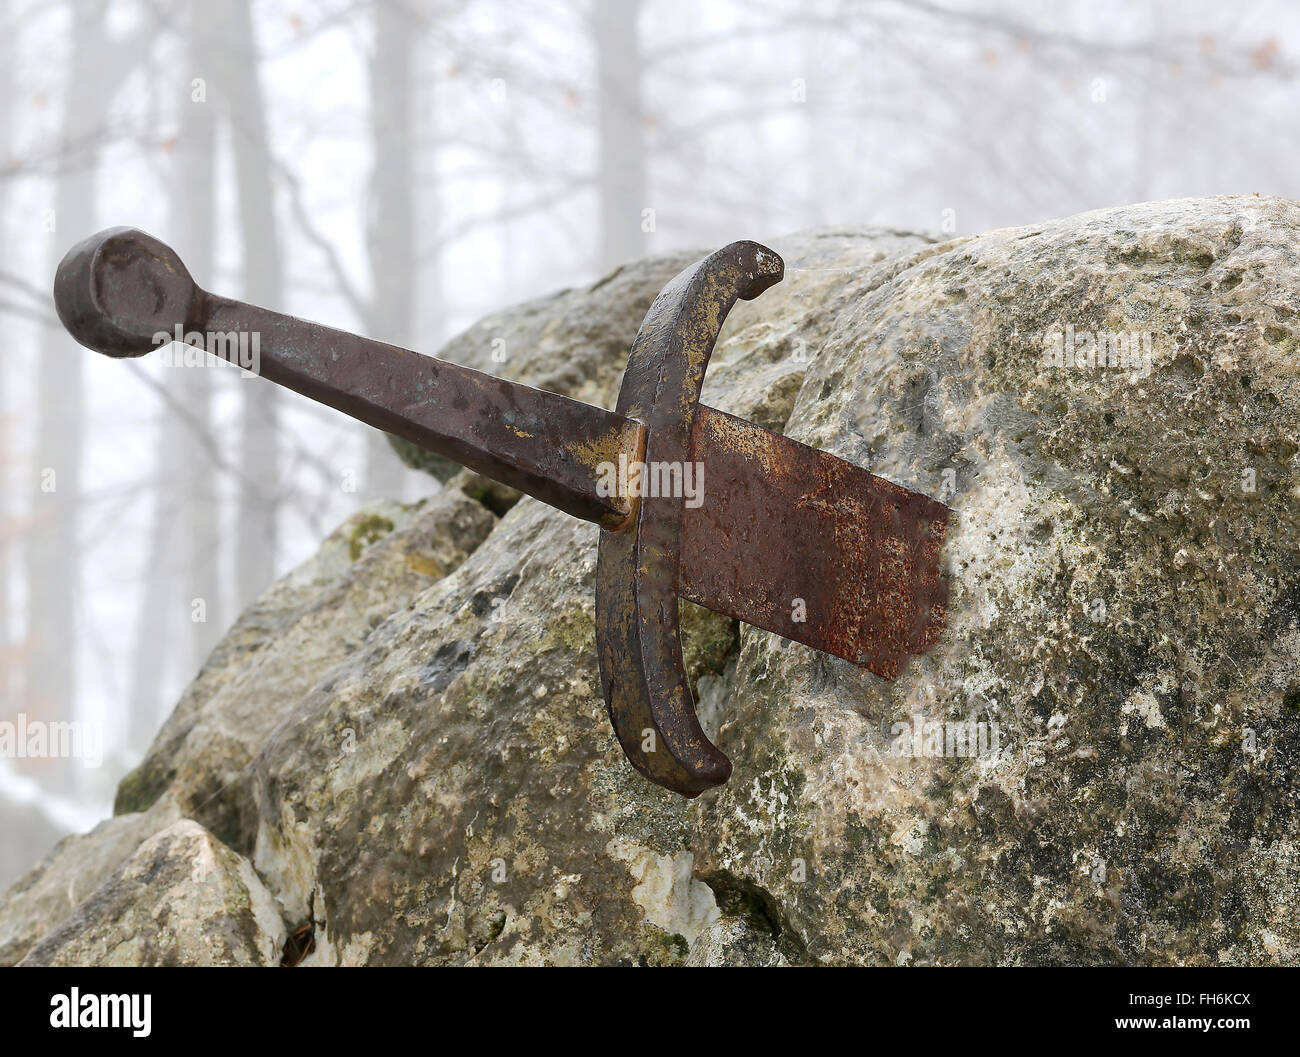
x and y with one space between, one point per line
734 941
48 892
183 898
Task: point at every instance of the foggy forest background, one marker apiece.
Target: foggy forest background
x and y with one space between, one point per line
402 168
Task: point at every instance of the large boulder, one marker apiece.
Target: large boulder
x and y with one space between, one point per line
429 776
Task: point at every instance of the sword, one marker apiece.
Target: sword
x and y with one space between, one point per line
782 536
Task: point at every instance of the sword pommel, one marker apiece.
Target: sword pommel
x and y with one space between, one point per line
122 292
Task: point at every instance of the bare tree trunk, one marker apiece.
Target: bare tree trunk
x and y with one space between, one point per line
97 64
167 637
429 318
236 64
619 128
7 87
392 205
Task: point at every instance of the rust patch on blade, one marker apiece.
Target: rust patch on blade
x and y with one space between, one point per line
786 531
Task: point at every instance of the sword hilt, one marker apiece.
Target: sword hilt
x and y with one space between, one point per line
123 292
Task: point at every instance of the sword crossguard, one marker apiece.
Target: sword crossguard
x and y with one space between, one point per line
638 640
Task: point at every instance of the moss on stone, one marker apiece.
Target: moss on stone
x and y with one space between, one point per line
138 791
366 531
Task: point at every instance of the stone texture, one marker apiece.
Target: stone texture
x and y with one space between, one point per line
182 898
432 778
77 866
1120 606
735 940
369 567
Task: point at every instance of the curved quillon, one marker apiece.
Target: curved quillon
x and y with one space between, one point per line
638 639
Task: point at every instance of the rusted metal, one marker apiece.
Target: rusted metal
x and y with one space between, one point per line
117 291
790 539
638 640
800 543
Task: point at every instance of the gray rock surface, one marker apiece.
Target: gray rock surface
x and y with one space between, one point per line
53 888
369 567
182 898
414 753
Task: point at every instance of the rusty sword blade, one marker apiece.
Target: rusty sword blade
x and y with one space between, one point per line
788 538
798 542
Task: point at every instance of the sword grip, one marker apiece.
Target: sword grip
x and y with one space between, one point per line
123 292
